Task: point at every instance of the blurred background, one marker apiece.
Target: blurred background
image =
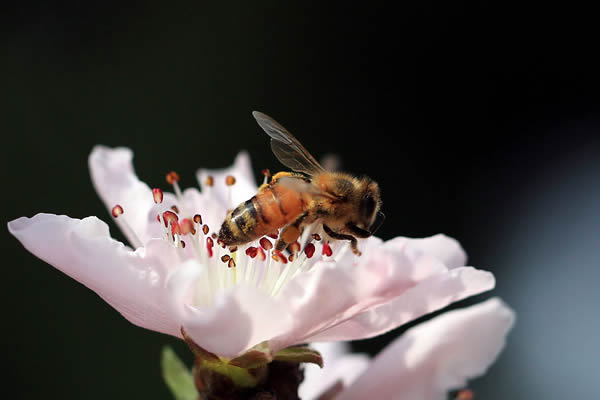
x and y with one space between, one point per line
478 120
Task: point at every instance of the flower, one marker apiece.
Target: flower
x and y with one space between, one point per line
423 364
177 280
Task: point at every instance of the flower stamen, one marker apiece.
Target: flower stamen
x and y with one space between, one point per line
116 212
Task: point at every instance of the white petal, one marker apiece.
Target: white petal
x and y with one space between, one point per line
436 356
239 318
131 282
230 196
339 366
115 181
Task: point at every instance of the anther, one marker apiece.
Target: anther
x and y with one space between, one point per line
214 236
225 258
309 250
278 256
265 243
210 181
233 249
230 180
273 235
261 254
292 257
465 394
294 247
182 244
175 228
251 251
198 219
316 236
231 263
175 209
172 177
221 243
267 175
169 216
117 210
187 226
209 246
158 195
205 229
327 249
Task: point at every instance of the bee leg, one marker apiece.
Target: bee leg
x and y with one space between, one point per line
291 232
341 236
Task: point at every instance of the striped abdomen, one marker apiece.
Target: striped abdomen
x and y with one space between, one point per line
272 208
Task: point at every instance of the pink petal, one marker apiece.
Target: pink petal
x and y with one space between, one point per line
436 356
230 196
238 319
131 282
389 285
339 366
115 181
429 295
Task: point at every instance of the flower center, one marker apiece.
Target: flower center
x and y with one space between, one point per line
256 263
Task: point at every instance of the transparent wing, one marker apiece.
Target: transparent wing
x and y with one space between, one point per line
288 150
300 185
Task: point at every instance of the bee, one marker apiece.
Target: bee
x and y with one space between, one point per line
347 207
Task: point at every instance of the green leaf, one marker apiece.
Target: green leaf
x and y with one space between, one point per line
177 376
299 354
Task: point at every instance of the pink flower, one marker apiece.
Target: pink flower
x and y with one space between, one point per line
423 364
175 275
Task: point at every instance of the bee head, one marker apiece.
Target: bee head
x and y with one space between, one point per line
369 208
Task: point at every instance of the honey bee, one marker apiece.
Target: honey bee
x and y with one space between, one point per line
348 207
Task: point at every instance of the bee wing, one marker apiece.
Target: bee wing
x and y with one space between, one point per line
300 185
288 150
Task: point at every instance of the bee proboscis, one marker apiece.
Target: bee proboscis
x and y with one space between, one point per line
348 207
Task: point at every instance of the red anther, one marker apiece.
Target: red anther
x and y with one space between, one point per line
261 254
231 263
265 243
294 247
251 251
233 249
327 249
214 236
273 235
158 218
158 195
175 209
291 257
175 228
230 180
309 250
225 258
187 226
198 219
266 172
278 256
172 177
117 210
210 181
182 244
316 236
169 216
205 229
465 394
209 246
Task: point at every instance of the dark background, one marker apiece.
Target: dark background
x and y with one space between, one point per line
478 120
